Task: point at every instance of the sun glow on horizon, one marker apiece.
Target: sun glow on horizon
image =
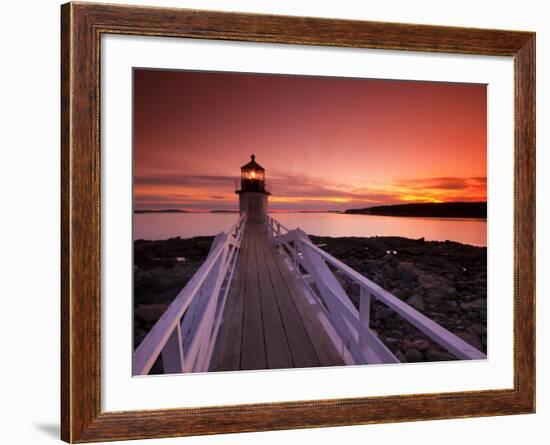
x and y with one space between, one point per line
326 143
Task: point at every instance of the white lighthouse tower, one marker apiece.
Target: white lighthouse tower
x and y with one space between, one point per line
253 193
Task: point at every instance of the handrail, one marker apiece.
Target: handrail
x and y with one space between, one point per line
175 336
350 323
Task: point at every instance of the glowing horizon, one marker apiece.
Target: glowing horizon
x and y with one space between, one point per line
326 143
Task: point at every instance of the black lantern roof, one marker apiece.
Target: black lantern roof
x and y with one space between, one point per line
252 165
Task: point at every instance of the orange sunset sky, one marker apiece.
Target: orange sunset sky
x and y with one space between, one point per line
326 143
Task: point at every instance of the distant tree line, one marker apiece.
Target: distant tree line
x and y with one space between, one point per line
442 210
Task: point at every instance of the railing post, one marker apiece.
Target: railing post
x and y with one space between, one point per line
330 290
195 321
230 267
364 313
295 255
172 353
210 313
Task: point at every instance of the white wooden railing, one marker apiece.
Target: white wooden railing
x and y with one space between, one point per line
352 325
176 336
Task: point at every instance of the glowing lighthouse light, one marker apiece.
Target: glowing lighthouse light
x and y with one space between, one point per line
253 193
252 171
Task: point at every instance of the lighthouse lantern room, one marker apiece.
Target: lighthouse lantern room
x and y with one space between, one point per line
253 193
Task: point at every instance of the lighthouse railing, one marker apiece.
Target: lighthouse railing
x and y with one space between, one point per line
352 325
185 335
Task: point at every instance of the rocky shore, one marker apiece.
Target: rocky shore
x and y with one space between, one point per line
446 281
161 270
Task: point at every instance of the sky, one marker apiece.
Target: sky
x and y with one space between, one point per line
325 143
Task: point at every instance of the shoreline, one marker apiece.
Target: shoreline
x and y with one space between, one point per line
441 209
452 210
311 212
445 280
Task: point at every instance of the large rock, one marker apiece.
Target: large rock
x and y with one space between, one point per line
393 322
390 272
436 288
396 333
400 356
421 345
407 271
372 265
472 315
413 355
382 313
400 292
149 312
417 302
435 355
471 338
476 306
428 281
477 329
392 343
452 307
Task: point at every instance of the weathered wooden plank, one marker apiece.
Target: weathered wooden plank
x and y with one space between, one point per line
253 355
227 352
277 348
220 309
323 346
302 351
268 323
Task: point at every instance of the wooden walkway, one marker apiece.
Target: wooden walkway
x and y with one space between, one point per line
268 322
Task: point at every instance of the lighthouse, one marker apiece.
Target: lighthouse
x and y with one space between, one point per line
253 193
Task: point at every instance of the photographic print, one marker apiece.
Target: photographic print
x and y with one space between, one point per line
285 221
298 205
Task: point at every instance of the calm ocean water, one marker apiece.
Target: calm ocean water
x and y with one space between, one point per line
156 226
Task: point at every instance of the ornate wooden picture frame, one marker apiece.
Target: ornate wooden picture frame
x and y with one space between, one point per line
82 25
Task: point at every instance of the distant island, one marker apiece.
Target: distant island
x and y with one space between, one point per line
161 211
229 211
436 210
440 210
315 211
